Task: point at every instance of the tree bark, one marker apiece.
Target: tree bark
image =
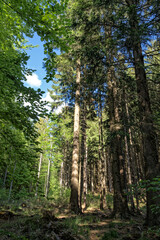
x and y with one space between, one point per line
39 169
74 198
131 152
152 168
83 155
103 162
47 178
120 207
85 177
109 170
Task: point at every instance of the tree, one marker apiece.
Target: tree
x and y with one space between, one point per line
147 126
74 200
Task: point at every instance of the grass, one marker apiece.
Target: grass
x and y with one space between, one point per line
78 225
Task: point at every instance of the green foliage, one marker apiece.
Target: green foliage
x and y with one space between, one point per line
154 186
151 233
112 234
76 224
73 224
12 235
109 200
50 142
146 185
49 21
21 107
139 189
3 195
93 200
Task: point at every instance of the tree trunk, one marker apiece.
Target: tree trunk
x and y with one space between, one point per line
64 168
85 177
62 178
39 169
152 168
5 177
131 151
96 167
92 176
83 155
128 159
47 178
129 174
68 167
11 185
74 198
120 207
103 162
109 170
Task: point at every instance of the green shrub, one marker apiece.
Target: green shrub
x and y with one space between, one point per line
154 186
109 200
93 200
3 194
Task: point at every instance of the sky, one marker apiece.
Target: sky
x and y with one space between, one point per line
36 80
36 63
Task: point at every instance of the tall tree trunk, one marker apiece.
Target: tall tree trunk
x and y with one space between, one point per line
11 185
96 166
152 168
39 170
79 180
47 178
134 168
109 170
92 176
61 175
64 168
131 152
68 166
103 162
5 177
120 206
85 177
83 154
74 198
129 174
128 159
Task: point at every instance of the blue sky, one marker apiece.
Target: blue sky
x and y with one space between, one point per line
36 63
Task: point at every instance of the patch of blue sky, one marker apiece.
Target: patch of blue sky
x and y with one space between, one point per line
35 62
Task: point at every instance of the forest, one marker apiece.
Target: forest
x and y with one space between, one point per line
91 170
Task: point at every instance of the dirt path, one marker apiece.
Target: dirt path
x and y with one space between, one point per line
97 228
100 227
95 221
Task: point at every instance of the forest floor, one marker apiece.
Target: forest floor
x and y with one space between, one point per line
33 222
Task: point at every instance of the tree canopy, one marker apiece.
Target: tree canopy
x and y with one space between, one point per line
104 141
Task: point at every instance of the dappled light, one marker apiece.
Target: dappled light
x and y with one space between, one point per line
80 129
